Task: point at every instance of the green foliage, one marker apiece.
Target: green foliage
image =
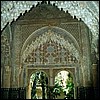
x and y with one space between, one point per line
69 87
57 89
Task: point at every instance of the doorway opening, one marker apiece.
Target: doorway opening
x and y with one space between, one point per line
39 85
64 86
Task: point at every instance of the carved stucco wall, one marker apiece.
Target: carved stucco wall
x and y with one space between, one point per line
88 11
86 61
32 43
5 59
22 29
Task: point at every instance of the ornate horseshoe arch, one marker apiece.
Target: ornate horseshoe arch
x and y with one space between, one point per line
50 46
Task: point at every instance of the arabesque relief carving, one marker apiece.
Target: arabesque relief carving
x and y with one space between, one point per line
50 48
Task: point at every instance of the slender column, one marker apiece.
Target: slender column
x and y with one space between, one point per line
51 83
51 77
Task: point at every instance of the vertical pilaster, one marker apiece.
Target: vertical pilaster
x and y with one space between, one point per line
16 46
94 73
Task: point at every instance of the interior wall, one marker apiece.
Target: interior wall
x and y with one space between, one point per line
28 24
